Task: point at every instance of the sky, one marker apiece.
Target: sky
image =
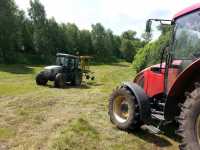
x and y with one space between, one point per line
118 15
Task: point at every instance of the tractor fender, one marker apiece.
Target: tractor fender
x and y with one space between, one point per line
185 78
176 94
142 100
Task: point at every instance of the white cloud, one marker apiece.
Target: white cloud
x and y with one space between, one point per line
119 15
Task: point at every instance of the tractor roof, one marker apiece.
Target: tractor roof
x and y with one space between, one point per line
66 55
187 10
86 57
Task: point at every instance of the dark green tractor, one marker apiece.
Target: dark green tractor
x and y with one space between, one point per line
68 69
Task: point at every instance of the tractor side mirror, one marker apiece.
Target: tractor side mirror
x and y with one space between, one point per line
148 26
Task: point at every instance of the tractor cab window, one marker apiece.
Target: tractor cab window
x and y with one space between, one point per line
62 61
71 63
187 37
77 63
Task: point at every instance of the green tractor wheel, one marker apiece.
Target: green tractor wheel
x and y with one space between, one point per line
77 79
59 81
41 79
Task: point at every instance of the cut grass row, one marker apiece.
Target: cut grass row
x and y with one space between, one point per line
34 117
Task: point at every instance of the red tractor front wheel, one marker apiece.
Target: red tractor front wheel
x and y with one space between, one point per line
124 110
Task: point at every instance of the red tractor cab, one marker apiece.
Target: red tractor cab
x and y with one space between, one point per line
167 91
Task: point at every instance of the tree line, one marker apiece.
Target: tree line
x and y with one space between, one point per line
34 38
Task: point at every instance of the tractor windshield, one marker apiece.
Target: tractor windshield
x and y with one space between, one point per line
62 61
187 37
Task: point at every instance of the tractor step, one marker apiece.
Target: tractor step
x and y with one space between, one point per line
152 129
161 104
158 117
153 111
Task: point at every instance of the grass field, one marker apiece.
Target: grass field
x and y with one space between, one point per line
34 117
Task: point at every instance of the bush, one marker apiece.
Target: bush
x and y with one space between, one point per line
150 54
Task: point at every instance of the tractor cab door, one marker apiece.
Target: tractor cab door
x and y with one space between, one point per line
185 47
154 76
173 72
157 75
175 68
154 81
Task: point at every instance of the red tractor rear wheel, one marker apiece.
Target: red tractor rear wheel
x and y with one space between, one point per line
189 120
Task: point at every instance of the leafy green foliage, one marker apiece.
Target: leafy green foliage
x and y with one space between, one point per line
36 36
130 44
85 42
99 41
9 29
151 53
147 37
36 39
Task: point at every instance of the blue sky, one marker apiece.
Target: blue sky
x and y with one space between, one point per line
118 15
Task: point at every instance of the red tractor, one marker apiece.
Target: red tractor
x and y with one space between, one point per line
169 91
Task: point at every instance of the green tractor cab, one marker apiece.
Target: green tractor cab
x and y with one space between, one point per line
68 69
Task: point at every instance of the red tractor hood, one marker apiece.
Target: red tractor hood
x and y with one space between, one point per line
175 63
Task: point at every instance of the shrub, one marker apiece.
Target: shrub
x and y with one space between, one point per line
150 54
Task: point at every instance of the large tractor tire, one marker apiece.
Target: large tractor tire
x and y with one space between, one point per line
189 121
59 81
41 79
124 110
77 79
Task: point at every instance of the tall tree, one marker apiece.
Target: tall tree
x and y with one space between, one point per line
129 35
128 49
38 17
85 43
130 44
37 13
9 29
109 43
26 32
72 38
98 39
54 36
116 45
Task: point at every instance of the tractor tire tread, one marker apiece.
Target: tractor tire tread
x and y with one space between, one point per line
41 79
133 123
188 109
